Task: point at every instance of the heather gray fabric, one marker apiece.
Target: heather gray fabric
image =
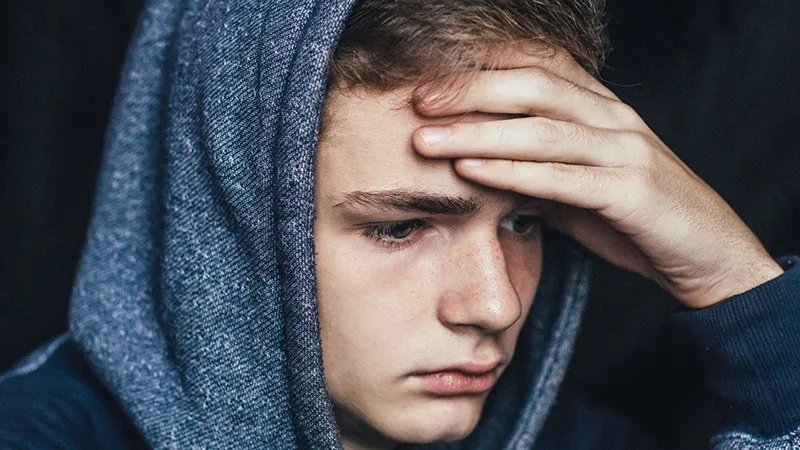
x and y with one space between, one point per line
195 299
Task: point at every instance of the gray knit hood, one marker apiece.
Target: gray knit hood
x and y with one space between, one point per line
195 299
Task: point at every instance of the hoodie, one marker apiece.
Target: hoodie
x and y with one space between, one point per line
193 321
194 303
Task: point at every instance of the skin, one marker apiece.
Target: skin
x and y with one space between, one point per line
455 290
616 187
458 288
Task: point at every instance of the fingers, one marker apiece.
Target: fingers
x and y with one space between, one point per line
534 91
594 188
525 139
574 72
562 64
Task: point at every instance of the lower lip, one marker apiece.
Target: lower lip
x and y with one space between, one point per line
458 383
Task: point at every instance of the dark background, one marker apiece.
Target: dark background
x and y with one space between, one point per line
717 80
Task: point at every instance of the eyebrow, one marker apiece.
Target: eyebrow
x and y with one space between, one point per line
412 201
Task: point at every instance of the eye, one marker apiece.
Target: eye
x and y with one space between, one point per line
523 224
393 234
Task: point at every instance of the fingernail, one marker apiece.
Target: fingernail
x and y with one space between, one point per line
434 135
472 162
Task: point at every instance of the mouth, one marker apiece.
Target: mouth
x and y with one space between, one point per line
464 379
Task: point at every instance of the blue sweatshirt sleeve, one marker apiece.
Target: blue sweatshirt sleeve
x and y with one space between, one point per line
749 346
52 400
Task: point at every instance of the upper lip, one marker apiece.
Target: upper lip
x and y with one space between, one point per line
469 368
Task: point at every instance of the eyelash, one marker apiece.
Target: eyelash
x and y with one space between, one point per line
383 232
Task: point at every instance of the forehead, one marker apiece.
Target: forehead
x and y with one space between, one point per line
367 145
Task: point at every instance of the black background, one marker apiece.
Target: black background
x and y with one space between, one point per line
717 81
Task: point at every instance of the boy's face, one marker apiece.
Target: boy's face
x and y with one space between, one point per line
424 279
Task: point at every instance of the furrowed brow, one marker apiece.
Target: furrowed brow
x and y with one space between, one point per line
411 201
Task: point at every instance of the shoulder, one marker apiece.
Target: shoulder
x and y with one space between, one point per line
53 400
575 424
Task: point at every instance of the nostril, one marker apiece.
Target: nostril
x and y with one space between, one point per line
480 293
495 306
505 310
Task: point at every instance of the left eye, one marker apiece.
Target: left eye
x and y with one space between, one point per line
521 223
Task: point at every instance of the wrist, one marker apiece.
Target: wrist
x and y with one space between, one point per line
747 276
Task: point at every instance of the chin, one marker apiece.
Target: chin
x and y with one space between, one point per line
436 420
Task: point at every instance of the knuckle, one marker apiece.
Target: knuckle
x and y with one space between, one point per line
607 152
548 131
556 179
636 143
573 132
593 180
515 174
501 133
606 158
645 159
596 186
541 82
625 113
564 173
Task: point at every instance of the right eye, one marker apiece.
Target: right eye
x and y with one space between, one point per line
393 234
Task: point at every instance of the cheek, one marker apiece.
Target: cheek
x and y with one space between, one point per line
378 318
377 321
372 305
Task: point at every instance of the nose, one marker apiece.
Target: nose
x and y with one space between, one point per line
479 292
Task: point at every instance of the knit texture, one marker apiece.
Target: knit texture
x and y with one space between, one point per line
195 299
750 349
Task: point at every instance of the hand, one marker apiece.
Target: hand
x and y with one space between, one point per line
615 187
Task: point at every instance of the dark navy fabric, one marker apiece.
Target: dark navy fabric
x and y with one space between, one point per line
61 404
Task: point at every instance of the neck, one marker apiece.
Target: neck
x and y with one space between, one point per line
360 444
358 435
